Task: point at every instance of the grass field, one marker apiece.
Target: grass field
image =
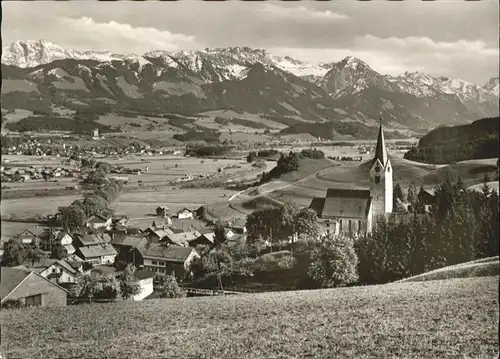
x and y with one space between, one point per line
438 319
30 207
479 268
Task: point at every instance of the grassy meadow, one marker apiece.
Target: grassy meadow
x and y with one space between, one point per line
454 318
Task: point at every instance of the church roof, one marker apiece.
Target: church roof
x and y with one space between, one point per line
349 203
380 150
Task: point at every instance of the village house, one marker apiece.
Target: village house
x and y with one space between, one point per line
145 279
163 260
180 239
162 211
355 211
238 226
97 254
205 239
97 221
54 238
184 213
57 271
32 235
155 234
30 288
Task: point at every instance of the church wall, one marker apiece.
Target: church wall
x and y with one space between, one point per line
388 189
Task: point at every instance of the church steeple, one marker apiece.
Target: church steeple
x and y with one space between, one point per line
380 150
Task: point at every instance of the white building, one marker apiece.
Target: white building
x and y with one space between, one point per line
355 211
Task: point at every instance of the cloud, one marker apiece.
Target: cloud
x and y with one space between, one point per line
117 36
300 13
417 45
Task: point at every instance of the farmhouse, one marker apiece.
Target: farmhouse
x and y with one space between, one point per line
57 271
30 288
184 213
355 211
32 236
55 238
164 260
97 221
180 239
97 254
154 234
205 239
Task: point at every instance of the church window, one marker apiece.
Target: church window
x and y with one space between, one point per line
388 169
340 224
350 226
359 226
377 169
377 179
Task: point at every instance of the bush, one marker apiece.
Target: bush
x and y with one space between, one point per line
334 263
12 304
312 153
170 288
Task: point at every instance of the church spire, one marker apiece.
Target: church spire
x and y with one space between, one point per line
380 150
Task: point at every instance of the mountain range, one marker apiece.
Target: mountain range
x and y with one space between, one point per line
237 83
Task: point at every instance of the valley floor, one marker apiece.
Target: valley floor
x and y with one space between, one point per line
436 319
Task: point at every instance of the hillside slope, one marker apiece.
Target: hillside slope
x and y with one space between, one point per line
438 319
458 143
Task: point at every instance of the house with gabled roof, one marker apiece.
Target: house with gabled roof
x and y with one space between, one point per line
156 234
56 270
181 239
97 254
163 260
205 239
97 221
84 239
30 288
184 213
33 235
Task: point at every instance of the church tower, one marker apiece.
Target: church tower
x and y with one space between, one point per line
381 178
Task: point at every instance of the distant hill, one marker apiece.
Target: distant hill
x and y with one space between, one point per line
450 144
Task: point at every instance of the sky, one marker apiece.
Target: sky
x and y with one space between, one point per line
456 39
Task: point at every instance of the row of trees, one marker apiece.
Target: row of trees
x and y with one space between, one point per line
103 191
462 226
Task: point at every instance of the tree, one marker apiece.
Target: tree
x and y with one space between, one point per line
398 194
129 284
73 217
276 224
87 286
14 253
170 288
220 236
252 156
94 204
334 263
110 288
306 224
485 188
34 254
412 195
59 252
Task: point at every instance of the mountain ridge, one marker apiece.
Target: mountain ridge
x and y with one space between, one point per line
242 79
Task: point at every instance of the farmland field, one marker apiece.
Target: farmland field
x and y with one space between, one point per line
437 319
30 207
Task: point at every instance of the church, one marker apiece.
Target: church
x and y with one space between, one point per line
355 211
